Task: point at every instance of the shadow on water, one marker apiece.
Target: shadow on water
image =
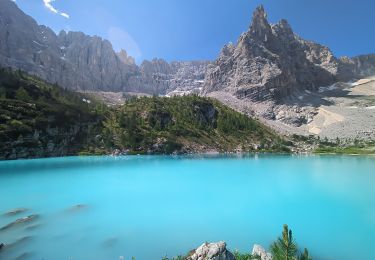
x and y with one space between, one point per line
8 250
64 163
25 256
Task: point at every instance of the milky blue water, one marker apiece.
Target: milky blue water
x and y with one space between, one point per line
150 206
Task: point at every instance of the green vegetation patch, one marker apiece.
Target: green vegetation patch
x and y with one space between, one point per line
185 124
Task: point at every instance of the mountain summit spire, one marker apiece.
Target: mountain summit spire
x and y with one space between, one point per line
260 28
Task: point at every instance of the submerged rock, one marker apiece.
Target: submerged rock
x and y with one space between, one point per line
32 227
110 242
15 211
17 243
261 252
24 256
77 207
1 246
211 251
19 221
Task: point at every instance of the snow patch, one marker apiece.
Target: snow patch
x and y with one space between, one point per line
329 88
38 43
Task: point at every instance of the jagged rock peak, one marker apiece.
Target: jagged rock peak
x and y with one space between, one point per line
125 58
227 50
260 28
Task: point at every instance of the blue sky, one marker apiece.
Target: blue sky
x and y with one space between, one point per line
197 29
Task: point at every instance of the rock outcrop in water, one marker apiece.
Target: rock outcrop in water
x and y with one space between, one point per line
19 221
14 212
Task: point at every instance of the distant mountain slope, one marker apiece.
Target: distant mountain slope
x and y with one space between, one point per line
41 120
293 85
268 62
80 62
73 60
38 119
187 124
271 62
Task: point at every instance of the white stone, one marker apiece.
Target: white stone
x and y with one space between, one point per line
260 251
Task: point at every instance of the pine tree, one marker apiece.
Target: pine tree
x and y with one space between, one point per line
285 247
305 255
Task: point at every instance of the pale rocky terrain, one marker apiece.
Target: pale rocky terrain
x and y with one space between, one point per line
219 251
294 85
343 110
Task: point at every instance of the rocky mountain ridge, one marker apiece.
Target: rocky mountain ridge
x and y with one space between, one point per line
270 73
77 61
294 85
271 62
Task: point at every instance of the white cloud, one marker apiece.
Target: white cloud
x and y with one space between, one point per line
65 15
49 6
121 39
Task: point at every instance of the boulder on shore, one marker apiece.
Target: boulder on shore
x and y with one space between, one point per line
261 252
211 251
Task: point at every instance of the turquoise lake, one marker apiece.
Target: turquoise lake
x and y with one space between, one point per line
150 206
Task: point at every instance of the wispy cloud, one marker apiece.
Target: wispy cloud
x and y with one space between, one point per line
65 15
49 6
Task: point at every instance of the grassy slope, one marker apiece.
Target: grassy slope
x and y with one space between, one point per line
29 106
185 124
367 148
34 114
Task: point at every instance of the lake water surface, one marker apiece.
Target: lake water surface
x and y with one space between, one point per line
150 206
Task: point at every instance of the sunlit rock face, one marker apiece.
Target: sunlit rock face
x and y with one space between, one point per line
72 60
77 61
211 251
270 62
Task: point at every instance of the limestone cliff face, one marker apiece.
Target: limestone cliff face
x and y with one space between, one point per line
359 67
270 62
77 61
164 77
73 60
125 58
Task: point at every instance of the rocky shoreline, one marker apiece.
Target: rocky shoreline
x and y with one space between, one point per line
219 251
